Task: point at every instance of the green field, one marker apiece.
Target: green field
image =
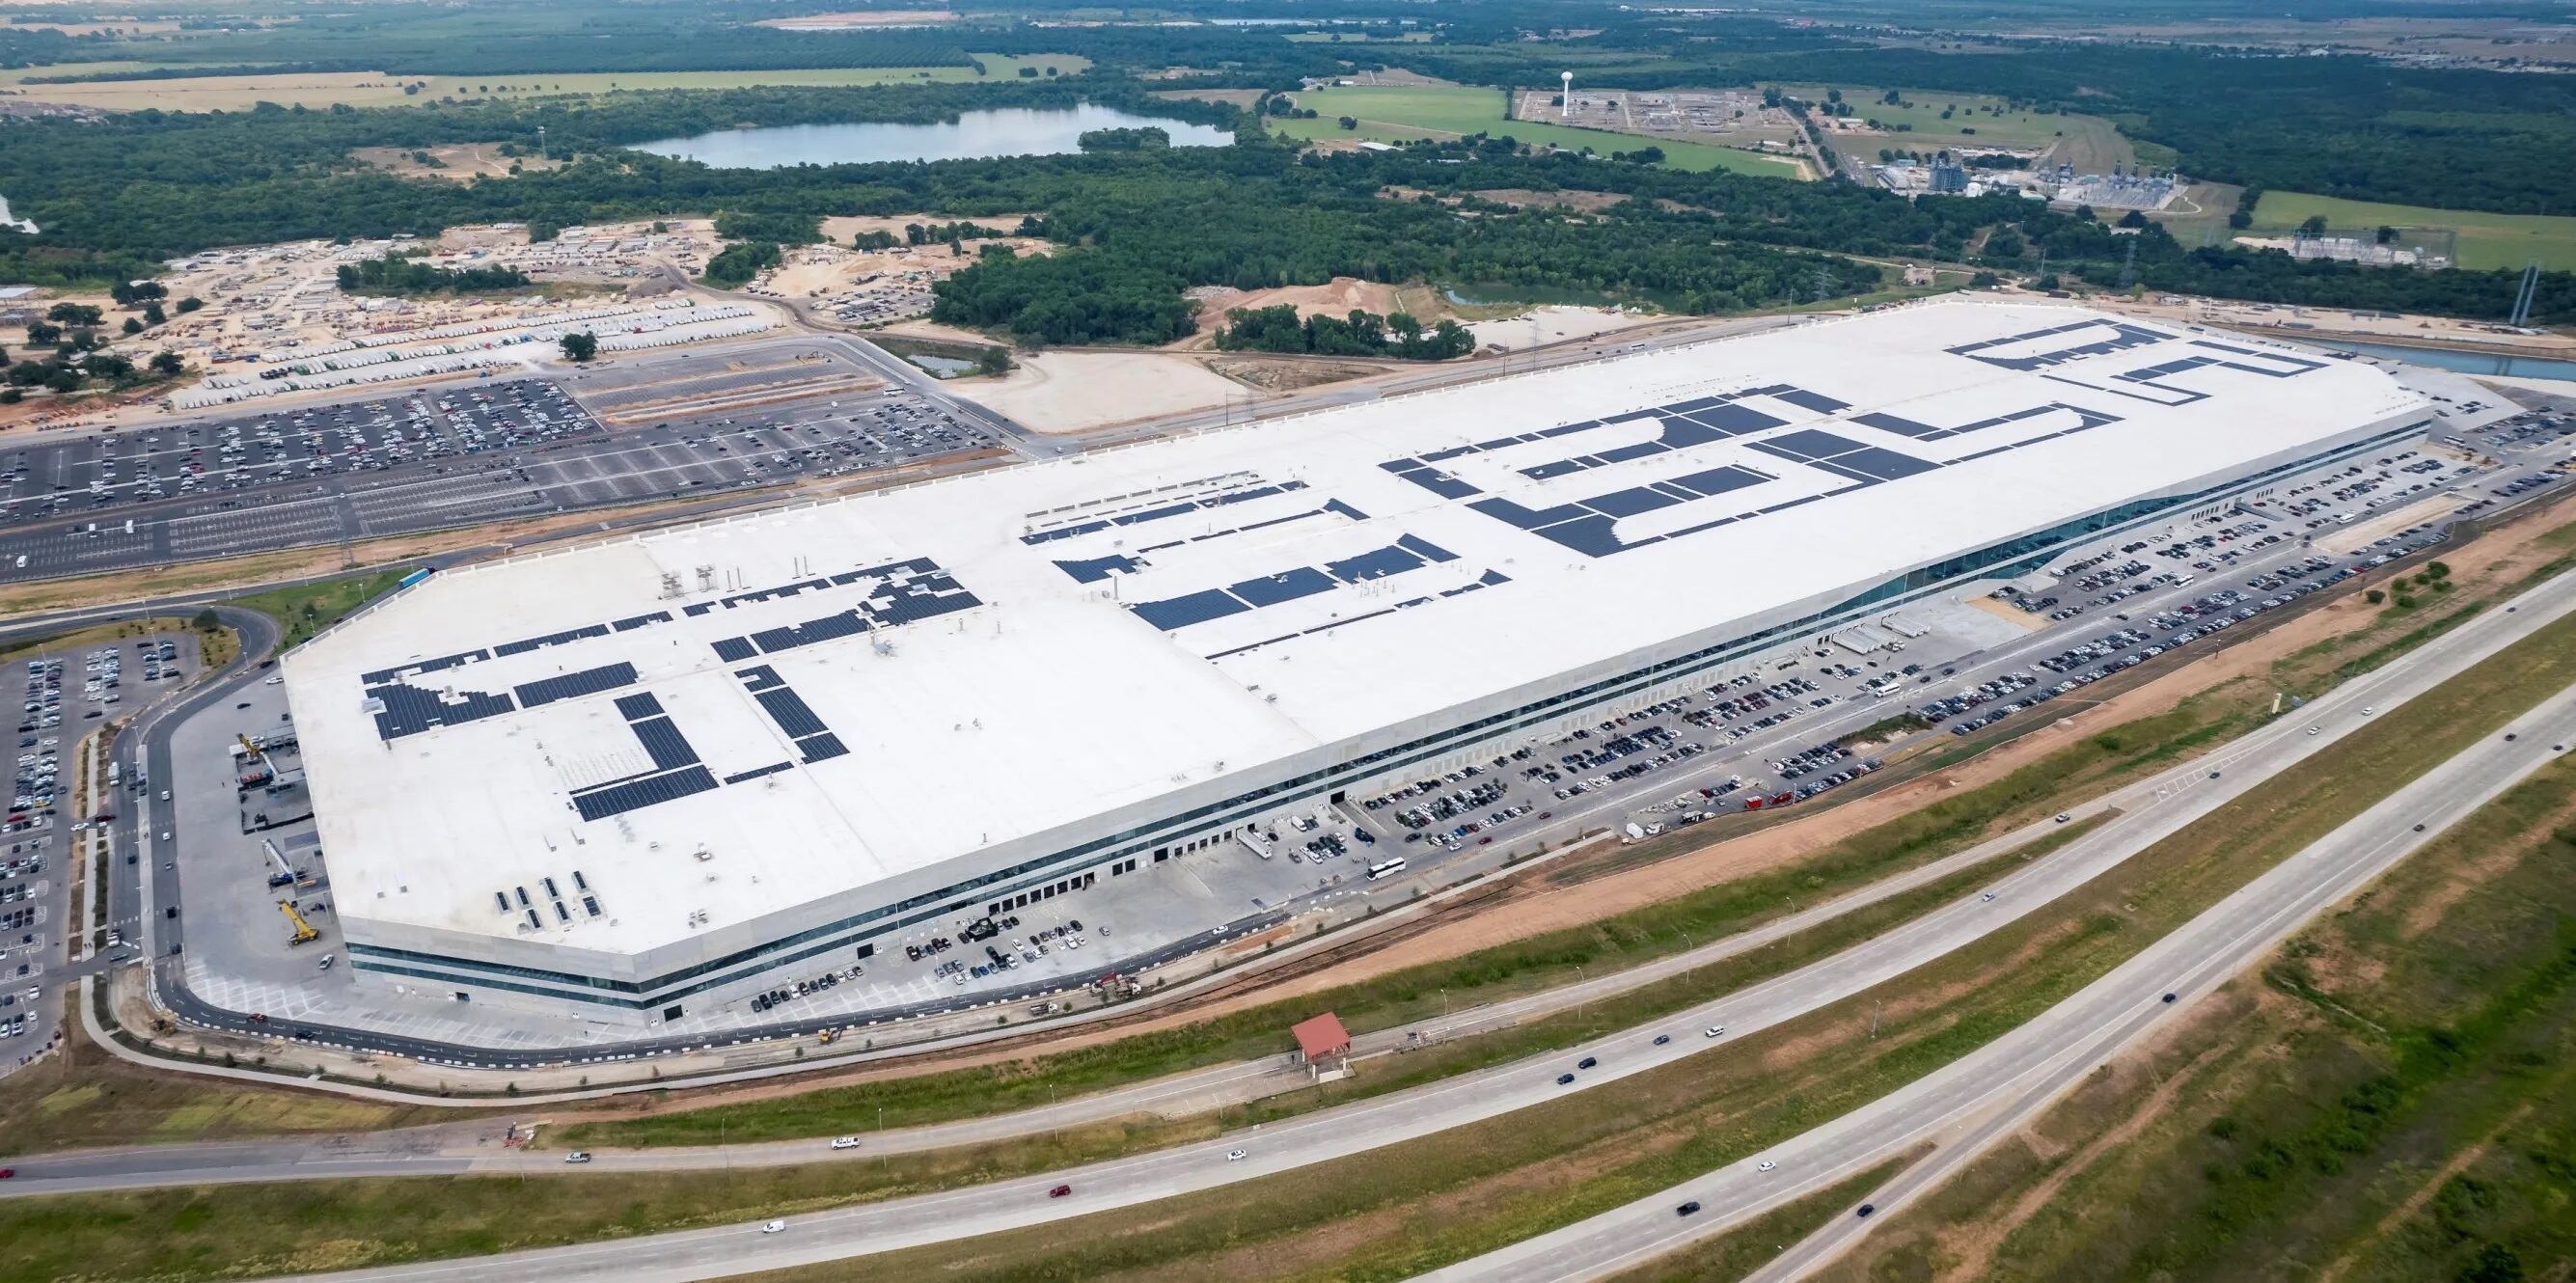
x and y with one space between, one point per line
1394 115
2092 143
2485 240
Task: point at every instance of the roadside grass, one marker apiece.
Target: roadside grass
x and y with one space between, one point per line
303 610
1391 114
2392 1098
1750 1246
2486 241
1455 1194
83 1096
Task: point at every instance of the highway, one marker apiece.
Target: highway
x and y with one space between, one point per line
1967 1106
2064 1042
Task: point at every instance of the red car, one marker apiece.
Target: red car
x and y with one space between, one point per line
1059 1191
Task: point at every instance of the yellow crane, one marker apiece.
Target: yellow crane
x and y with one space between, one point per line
304 932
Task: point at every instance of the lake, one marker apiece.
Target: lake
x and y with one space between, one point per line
974 135
2526 367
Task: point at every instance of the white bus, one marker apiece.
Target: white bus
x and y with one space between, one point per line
1387 869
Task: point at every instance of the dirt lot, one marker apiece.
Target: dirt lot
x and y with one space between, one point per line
1334 298
1076 391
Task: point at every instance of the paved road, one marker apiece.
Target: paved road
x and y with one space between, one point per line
1970 1104
2189 962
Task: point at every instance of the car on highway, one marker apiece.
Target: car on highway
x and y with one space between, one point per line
2064 816
1563 1079
578 1156
1714 1031
773 1227
1687 1209
1587 1062
1059 1191
845 1142
1661 1039
1234 1156
1865 1210
1765 1165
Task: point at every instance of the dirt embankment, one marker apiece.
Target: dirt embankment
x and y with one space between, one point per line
1333 298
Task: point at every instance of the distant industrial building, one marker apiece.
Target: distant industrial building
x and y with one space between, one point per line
632 779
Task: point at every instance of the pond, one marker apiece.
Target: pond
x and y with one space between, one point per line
974 135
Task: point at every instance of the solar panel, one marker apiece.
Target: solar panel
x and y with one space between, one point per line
664 743
1270 590
734 650
637 706
408 710
634 795
589 681
756 772
1177 613
816 748
789 710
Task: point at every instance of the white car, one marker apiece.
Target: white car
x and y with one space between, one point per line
845 1142
1234 1155
1765 1165
1714 1031
773 1227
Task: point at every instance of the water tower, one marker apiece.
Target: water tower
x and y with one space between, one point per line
1565 103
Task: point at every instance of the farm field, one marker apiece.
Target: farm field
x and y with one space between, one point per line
1391 115
2486 240
2092 143
376 89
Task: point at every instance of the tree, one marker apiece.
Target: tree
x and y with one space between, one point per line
168 364
2313 225
73 314
2387 234
1348 122
993 360
42 335
581 347
1984 281
133 326
190 304
153 315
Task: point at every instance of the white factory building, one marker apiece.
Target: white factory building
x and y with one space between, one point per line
644 776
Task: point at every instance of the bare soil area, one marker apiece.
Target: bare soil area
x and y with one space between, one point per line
1333 298
456 162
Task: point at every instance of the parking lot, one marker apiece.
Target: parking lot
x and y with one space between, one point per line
66 695
429 460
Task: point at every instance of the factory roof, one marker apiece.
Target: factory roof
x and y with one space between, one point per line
716 722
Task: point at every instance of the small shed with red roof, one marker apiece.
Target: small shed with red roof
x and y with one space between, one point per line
1323 1044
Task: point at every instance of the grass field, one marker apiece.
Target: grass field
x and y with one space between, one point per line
2392 1098
376 89
1394 115
2091 142
306 609
2485 240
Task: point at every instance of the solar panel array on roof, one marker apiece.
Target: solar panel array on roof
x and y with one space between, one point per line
664 743
906 592
634 795
589 681
404 709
